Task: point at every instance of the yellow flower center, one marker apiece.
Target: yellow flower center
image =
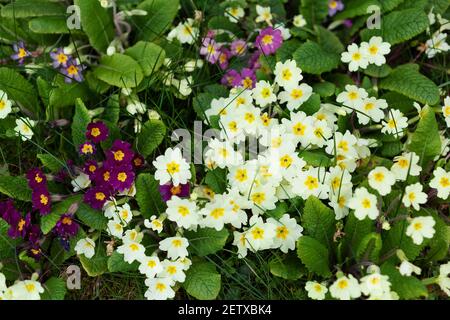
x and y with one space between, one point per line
134 247
356 56
72 70
44 199
378 176
67 221
247 82
267 39
342 284
353 95
160 287
418 226
444 182
118 155
100 196
62 58
21 224
217 213
87 148
173 167
249 117
311 183
258 197
258 233
122 177
184 211
296 94
241 175
366 203
286 74
177 243
282 232
369 106
265 93
95 132
299 129
373 50
286 161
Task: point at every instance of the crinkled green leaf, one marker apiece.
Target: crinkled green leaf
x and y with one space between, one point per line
405 287
288 267
203 282
314 255
314 59
355 8
407 80
206 241
91 217
160 14
148 196
369 248
119 70
314 11
79 124
318 221
55 289
151 135
33 8
15 187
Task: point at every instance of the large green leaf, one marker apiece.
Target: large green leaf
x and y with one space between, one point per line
65 94
399 26
389 5
355 8
18 89
80 121
203 282
117 264
405 287
318 221
314 11
15 187
149 55
425 141
417 86
151 135
32 8
148 196
91 217
288 267
355 230
314 255
314 59
55 289
51 162
206 240
49 25
119 70
97 23
369 248
97 265
160 14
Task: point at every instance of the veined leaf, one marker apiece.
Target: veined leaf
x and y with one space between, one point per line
314 59
203 282
150 137
119 70
80 121
15 187
206 240
160 14
148 196
314 255
32 8
149 55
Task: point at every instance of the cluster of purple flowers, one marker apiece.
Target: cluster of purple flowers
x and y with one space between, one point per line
115 173
40 197
67 65
22 227
267 42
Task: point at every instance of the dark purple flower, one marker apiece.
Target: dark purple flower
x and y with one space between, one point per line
348 23
238 47
8 212
231 78
20 52
120 153
66 226
73 71
138 161
97 132
224 57
103 175
87 148
19 227
35 252
168 190
36 178
334 6
41 200
97 196
210 49
248 78
90 168
34 233
60 58
269 40
253 62
122 177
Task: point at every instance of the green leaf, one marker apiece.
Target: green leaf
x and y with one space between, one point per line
216 179
160 14
148 196
80 121
112 110
389 5
97 23
439 6
223 23
65 95
49 221
119 70
378 72
18 89
151 135
369 248
328 40
314 59
316 158
318 221
314 11
202 281
149 55
206 240
439 244
97 265
55 289
49 25
396 238
398 101
91 217
117 264
15 187
312 105
355 230
418 87
405 287
287 49
32 8
425 141
8 246
314 255
355 8
50 162
324 89
399 26
289 267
